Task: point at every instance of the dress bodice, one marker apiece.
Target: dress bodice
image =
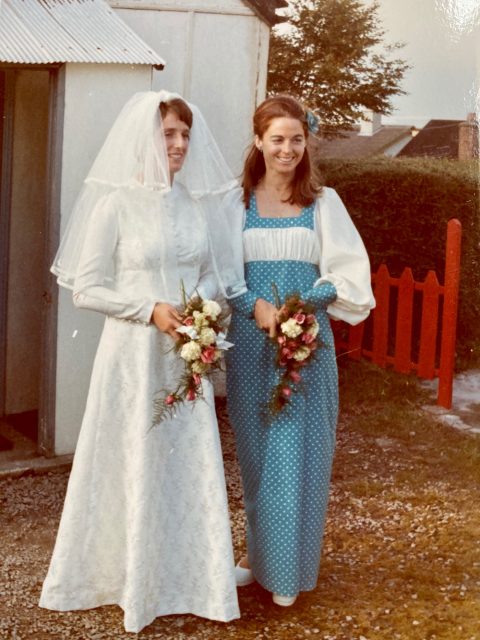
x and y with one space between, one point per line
140 256
289 238
133 257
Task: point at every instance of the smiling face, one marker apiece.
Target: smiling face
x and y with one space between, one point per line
177 136
283 145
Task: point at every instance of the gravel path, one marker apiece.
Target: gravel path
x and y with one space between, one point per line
384 566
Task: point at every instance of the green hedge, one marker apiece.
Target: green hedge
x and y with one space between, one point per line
401 208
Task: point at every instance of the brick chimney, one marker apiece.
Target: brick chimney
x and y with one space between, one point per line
468 138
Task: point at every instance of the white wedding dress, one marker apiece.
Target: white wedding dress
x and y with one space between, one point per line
145 523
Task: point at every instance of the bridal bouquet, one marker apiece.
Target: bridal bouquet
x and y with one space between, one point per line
296 343
201 346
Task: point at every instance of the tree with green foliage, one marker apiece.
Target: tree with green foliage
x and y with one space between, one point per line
334 59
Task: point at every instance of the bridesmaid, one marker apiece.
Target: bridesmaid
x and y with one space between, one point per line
299 235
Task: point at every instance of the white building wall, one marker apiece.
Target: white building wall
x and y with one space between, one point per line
216 54
94 95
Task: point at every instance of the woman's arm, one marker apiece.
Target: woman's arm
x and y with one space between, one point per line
92 288
344 263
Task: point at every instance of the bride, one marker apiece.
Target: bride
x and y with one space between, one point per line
145 523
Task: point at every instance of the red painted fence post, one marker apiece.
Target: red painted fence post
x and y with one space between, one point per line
450 307
380 316
403 334
429 328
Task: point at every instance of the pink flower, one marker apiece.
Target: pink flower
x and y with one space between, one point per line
281 340
287 353
197 379
299 317
295 376
170 399
287 392
307 338
208 355
188 321
191 395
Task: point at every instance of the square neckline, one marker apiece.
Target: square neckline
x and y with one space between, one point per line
254 210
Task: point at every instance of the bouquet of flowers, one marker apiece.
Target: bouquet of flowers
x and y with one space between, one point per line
295 343
201 346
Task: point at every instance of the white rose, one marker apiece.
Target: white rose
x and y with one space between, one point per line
190 351
291 328
207 337
301 353
199 320
212 309
313 329
199 367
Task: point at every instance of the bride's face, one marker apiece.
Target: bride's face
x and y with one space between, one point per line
177 136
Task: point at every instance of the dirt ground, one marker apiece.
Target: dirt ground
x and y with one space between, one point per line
401 557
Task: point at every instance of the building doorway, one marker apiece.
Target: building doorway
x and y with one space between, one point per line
27 180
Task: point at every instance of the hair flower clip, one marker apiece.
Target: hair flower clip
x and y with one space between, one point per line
313 122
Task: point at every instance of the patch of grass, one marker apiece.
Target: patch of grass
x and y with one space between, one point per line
383 403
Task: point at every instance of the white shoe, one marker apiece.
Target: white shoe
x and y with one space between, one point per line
243 576
283 601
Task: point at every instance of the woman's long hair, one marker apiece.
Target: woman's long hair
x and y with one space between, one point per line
306 184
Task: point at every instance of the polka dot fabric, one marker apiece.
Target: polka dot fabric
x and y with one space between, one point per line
285 462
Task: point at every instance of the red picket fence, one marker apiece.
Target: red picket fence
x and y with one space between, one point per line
391 340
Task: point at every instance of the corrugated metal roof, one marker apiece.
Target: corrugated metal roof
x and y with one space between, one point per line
55 31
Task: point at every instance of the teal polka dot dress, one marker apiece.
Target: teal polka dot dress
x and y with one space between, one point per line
285 462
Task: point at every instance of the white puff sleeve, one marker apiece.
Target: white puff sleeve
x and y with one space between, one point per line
343 260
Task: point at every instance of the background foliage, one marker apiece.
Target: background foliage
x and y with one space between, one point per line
401 208
335 60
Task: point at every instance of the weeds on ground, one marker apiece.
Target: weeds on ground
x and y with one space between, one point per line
404 526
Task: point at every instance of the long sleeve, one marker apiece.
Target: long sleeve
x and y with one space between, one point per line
321 296
230 258
91 290
344 261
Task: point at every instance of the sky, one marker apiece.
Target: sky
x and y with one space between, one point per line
442 45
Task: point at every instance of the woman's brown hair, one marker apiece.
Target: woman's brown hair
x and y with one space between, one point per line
305 187
178 106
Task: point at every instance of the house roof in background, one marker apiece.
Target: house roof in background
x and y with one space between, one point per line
437 139
353 145
55 31
266 9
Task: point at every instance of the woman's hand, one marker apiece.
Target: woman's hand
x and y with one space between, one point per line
266 316
166 318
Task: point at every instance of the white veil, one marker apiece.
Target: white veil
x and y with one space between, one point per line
132 166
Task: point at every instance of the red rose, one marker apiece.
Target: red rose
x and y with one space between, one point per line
208 355
299 318
295 376
188 321
308 338
191 395
197 379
